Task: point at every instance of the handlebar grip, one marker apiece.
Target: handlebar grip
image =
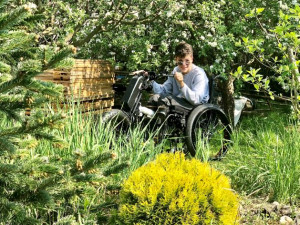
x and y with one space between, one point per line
152 75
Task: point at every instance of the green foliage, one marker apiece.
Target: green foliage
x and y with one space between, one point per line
276 48
264 159
142 35
21 59
32 186
173 190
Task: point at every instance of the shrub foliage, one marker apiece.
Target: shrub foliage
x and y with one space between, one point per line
174 190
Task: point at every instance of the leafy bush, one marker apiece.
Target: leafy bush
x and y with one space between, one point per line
173 190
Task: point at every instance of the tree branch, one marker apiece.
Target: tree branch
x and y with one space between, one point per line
102 27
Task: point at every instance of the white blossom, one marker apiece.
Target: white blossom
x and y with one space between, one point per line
31 5
213 44
283 6
218 60
169 13
135 14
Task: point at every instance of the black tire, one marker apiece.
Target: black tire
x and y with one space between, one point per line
118 121
209 127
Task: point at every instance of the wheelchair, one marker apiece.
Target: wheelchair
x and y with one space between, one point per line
203 126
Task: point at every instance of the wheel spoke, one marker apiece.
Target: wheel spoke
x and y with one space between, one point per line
210 134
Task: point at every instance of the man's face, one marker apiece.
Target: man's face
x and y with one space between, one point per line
184 63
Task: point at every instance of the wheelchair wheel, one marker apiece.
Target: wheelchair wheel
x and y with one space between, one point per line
208 130
118 121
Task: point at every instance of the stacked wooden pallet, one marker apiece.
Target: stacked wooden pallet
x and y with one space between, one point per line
87 84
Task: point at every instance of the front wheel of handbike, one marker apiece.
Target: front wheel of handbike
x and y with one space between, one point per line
118 121
208 130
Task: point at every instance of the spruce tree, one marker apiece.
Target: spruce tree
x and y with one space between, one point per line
21 59
31 189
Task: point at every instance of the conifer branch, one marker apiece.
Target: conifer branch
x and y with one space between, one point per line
6 145
115 169
113 187
62 54
9 85
3 3
48 136
4 68
7 207
7 168
27 128
9 113
48 183
42 87
10 19
84 177
97 160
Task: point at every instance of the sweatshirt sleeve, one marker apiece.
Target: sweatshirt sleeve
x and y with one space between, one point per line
199 92
163 89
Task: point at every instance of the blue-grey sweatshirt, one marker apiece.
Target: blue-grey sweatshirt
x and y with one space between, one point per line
195 89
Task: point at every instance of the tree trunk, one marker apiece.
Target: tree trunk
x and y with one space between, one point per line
226 88
295 81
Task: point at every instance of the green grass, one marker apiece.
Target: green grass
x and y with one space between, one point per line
264 160
87 134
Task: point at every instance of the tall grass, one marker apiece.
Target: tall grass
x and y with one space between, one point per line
85 132
265 158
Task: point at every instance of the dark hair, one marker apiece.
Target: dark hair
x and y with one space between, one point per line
183 49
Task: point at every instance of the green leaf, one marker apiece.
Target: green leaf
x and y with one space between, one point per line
245 39
267 83
259 10
256 86
251 48
240 69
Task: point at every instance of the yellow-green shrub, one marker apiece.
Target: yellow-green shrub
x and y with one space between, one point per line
173 190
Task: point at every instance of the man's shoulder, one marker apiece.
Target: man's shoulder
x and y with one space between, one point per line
198 70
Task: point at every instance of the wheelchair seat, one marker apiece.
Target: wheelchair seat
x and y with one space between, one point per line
181 105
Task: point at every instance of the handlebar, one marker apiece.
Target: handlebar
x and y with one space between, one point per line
150 74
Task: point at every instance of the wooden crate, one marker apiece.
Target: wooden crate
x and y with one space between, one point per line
88 83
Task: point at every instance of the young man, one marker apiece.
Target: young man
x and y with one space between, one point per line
189 82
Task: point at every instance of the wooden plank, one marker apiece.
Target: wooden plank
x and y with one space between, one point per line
91 94
88 105
88 82
91 62
81 67
49 79
86 69
70 76
80 98
77 89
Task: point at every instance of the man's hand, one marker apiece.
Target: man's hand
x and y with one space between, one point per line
138 72
179 78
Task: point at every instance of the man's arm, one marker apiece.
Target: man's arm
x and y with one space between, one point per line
199 92
163 89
